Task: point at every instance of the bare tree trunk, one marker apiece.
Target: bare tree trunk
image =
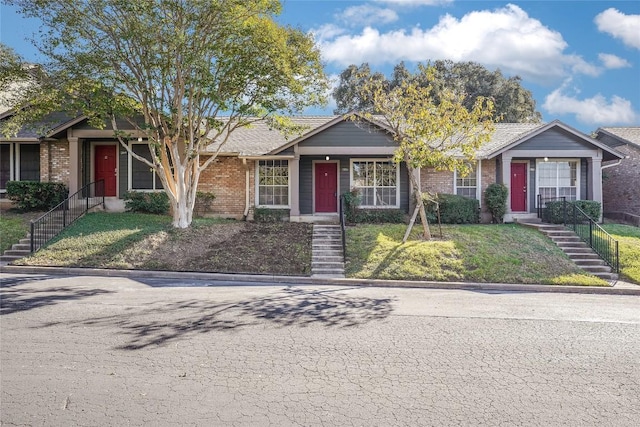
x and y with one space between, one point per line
419 208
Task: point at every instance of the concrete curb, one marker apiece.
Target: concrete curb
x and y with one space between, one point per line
618 288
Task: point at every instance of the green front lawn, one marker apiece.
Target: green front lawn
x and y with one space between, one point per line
505 253
12 229
628 238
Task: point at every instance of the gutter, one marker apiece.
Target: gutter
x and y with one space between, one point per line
245 214
612 164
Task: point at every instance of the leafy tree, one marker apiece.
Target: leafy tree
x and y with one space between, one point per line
183 74
512 102
437 133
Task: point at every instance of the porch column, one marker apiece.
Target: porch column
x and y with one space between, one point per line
294 184
506 180
594 177
74 164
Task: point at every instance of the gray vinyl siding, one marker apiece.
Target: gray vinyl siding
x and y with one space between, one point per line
123 171
86 163
306 180
583 179
552 140
350 134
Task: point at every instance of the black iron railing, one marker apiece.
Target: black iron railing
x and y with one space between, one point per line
57 219
343 221
592 234
558 210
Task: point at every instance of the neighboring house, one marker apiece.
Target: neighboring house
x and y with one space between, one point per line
258 167
621 178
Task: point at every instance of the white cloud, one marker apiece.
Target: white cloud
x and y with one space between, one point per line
593 111
367 15
620 26
506 38
415 2
612 61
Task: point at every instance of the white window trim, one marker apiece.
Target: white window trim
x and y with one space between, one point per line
130 160
14 160
478 182
11 165
377 159
556 160
257 185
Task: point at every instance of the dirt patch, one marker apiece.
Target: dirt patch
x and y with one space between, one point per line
243 247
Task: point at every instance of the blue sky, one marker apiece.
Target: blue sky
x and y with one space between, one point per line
580 59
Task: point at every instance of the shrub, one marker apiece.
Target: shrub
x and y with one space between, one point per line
270 215
379 216
351 202
554 211
495 197
454 209
36 196
143 202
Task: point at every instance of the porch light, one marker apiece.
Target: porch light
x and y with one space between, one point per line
326 158
139 139
546 159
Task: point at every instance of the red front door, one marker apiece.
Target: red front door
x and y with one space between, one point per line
518 187
105 167
326 182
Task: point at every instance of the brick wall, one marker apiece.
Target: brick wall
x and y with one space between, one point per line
621 184
54 161
433 181
488 177
226 179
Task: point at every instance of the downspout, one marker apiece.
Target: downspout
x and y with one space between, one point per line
612 164
246 190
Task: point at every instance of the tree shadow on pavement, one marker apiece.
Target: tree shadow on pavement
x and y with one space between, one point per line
15 299
161 323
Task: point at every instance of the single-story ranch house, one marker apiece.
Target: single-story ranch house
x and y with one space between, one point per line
621 178
258 167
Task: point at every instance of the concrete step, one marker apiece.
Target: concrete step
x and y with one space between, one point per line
9 258
588 262
17 252
596 268
562 239
582 255
22 246
327 258
578 244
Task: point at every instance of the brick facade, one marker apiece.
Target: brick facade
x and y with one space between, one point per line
621 184
54 161
226 178
434 181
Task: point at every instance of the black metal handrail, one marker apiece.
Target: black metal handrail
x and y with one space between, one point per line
592 234
73 207
558 210
343 221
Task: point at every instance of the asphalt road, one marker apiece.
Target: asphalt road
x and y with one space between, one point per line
108 351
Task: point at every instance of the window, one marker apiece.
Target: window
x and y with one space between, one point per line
273 183
467 185
376 181
142 176
19 162
558 178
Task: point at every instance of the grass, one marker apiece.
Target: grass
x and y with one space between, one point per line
505 253
628 238
139 241
482 253
11 230
14 226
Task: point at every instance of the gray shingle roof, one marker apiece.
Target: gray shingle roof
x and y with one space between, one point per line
630 134
260 138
